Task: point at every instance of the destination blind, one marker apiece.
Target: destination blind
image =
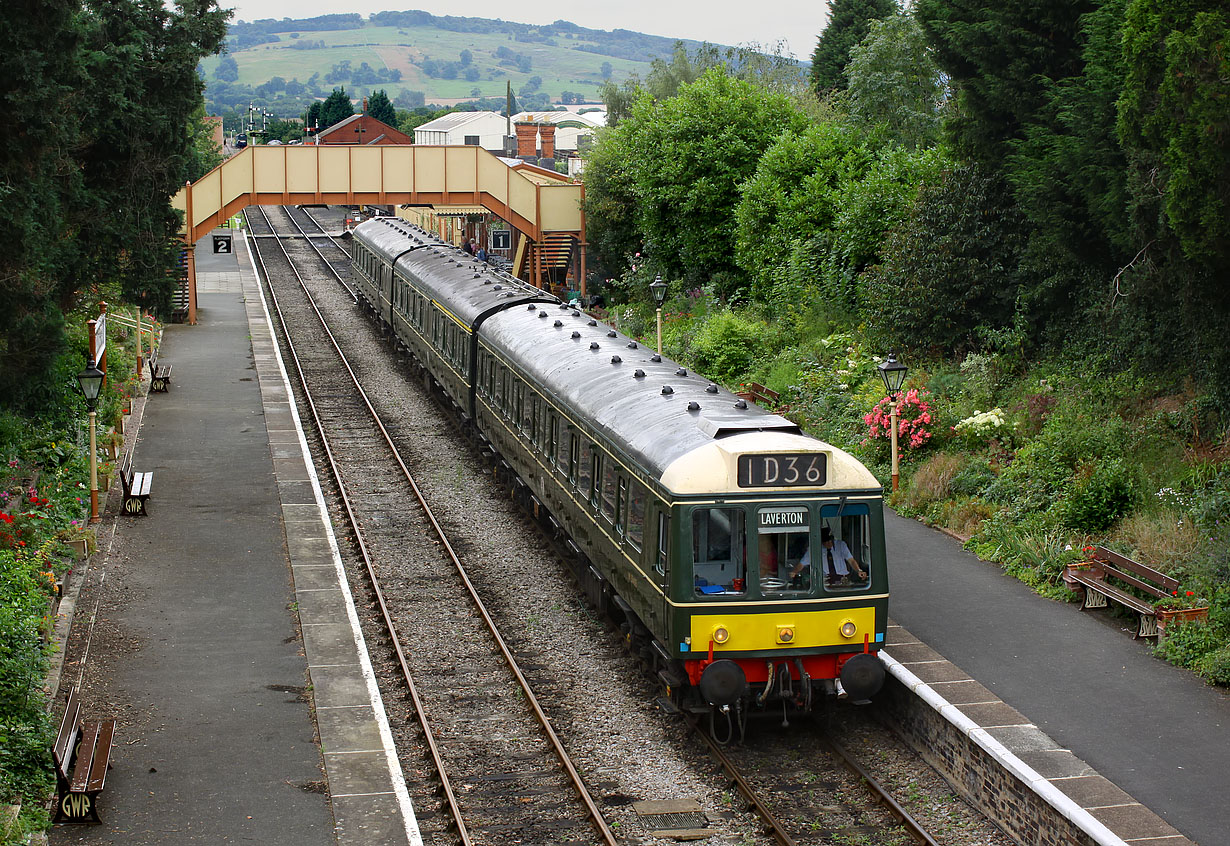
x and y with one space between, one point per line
782 470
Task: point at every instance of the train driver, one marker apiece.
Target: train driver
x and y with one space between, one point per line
838 560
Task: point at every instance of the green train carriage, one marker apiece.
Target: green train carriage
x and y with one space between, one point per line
689 509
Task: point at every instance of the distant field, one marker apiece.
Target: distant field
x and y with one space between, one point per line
561 67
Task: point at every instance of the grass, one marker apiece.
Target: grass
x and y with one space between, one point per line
562 67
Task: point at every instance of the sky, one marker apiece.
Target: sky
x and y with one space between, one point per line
796 22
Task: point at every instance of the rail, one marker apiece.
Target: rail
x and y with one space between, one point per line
450 795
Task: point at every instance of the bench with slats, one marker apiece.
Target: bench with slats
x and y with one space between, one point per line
82 754
1090 578
159 374
137 487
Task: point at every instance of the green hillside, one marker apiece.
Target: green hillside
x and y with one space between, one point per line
420 58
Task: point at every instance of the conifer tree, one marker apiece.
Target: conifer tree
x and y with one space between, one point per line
849 22
379 107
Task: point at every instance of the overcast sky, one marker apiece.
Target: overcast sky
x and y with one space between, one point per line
797 22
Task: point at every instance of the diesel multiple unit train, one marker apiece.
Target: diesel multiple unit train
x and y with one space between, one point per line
701 519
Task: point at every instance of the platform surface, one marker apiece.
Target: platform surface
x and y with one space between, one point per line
217 626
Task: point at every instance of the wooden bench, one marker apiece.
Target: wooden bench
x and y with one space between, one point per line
137 488
159 375
1090 579
82 753
758 393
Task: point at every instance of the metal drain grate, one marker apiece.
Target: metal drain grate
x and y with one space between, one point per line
680 818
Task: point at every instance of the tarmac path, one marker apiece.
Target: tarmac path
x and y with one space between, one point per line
1158 732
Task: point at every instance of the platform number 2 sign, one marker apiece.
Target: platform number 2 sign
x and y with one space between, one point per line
222 244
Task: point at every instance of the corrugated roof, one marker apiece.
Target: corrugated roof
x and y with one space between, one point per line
451 121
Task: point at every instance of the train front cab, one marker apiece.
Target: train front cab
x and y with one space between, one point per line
748 633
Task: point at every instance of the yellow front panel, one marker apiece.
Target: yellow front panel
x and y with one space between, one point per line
752 632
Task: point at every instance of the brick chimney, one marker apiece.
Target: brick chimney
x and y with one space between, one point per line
547 131
527 141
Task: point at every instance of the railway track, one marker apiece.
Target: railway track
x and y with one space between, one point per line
499 765
503 781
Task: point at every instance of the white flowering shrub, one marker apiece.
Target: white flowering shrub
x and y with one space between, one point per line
985 426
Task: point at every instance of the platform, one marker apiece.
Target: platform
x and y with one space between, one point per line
218 629
1141 745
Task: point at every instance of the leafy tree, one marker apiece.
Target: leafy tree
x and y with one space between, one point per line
684 159
999 57
104 105
951 275
791 196
39 61
336 108
848 23
379 107
1174 117
607 70
893 82
227 69
466 57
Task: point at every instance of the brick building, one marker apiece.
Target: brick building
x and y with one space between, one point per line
362 130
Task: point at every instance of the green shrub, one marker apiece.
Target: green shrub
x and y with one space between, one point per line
973 478
726 346
1102 497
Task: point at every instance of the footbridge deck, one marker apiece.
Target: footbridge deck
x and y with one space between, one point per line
382 175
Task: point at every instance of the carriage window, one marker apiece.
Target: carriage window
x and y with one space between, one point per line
621 499
568 453
636 516
664 540
529 421
610 478
849 527
596 492
783 537
553 444
717 551
584 472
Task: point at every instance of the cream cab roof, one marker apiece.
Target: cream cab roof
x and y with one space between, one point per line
713 467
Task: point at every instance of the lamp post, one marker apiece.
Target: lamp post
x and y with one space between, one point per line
658 288
91 380
893 374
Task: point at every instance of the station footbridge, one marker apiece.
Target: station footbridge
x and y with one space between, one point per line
543 207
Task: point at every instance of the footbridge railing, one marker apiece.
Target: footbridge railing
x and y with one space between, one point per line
383 175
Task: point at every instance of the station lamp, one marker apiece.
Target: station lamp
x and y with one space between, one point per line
90 381
893 374
658 289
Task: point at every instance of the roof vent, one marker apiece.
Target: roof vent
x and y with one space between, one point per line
576 335
559 323
563 306
611 334
542 314
667 389
592 323
693 406
476 275
632 345
741 404
532 307
486 281
655 357
711 389
681 372
593 345
616 359
498 288
639 374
